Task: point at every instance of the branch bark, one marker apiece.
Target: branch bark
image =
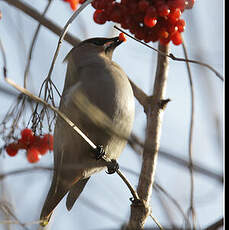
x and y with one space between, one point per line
140 211
32 12
218 224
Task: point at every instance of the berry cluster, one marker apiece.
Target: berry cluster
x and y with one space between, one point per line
34 145
148 20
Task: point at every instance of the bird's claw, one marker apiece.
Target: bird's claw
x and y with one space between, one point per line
112 167
99 152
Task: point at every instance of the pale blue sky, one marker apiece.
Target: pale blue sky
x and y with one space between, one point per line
204 37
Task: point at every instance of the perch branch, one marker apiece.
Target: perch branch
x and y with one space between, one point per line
154 112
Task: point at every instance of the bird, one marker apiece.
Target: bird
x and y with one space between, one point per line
91 72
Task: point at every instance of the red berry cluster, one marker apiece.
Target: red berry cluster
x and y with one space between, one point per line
34 145
148 20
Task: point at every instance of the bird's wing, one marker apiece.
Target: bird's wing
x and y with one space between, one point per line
74 192
56 192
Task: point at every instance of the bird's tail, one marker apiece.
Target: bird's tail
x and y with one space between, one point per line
55 195
74 192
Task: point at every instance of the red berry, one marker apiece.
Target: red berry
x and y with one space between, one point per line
150 21
12 149
172 28
122 37
174 15
133 8
40 145
115 16
143 5
99 4
189 4
33 155
48 141
165 41
177 4
151 11
163 33
26 136
139 34
176 38
99 17
163 10
73 3
180 25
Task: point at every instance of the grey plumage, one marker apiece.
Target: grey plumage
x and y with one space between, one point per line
90 72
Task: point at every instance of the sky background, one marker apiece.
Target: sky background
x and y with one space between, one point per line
105 204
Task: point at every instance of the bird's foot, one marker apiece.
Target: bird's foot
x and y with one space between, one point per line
112 166
99 152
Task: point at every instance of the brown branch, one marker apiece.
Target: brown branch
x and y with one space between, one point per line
218 224
33 44
140 211
190 147
63 34
137 145
170 55
32 12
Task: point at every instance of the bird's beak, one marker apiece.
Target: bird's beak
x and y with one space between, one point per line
112 43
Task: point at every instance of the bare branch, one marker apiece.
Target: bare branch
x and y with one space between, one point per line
218 224
64 32
140 212
170 55
32 45
32 12
191 208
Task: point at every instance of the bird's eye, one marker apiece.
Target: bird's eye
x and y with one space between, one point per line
99 42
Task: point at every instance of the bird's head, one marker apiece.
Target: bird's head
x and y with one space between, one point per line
101 45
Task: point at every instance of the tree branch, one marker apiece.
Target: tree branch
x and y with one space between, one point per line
32 12
140 212
216 225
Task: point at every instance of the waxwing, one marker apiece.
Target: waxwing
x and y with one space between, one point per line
91 73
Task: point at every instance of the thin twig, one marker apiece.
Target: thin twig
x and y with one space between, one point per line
157 223
32 45
4 59
158 187
137 145
60 114
24 170
15 222
6 209
32 12
191 138
64 32
170 55
133 192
